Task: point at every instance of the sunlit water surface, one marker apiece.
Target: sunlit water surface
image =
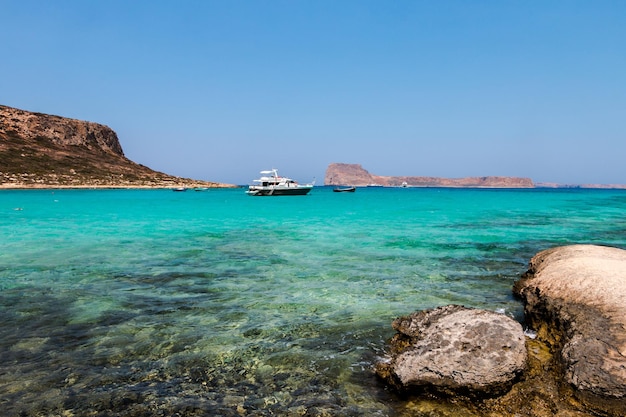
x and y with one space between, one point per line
150 302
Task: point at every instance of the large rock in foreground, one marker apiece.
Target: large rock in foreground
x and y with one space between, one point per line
454 349
575 297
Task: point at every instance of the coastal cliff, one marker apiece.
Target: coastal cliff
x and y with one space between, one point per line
355 174
42 151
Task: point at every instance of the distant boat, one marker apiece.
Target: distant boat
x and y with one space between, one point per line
271 184
179 189
344 189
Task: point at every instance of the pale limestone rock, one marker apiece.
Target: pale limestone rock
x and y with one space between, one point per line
575 296
456 349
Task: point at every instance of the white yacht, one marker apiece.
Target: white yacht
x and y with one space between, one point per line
272 184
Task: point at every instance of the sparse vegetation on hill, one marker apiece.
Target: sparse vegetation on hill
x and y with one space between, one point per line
41 151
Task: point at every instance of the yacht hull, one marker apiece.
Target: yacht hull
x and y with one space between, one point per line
279 191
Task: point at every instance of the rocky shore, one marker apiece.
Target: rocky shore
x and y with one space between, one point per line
479 363
454 349
575 296
27 181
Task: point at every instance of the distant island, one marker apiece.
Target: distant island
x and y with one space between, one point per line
46 151
355 175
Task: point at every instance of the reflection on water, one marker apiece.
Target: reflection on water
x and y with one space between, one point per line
147 303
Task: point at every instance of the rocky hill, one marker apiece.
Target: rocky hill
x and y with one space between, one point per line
45 151
355 174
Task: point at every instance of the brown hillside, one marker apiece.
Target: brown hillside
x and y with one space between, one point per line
39 151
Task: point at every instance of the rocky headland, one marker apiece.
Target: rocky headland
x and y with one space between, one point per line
356 175
46 151
480 363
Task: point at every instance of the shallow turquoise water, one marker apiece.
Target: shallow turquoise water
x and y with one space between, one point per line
149 302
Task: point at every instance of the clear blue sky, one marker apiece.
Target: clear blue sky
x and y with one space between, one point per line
219 90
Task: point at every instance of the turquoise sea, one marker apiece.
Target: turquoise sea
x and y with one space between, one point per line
215 303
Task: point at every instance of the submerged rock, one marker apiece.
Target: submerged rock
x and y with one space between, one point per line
575 298
454 349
